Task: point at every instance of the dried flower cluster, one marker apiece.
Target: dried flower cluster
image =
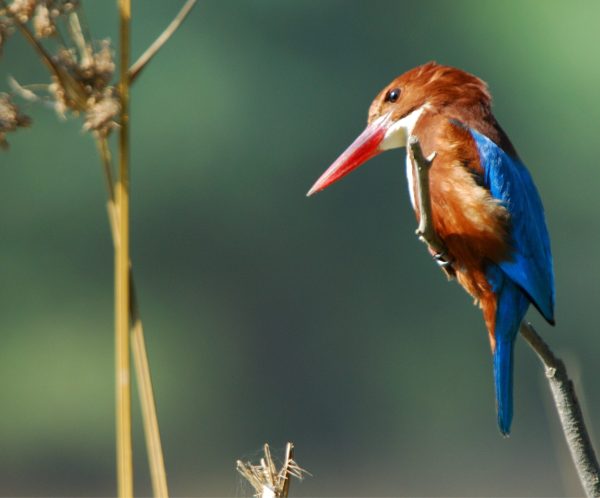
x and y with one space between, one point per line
89 74
81 69
43 13
10 118
6 30
22 10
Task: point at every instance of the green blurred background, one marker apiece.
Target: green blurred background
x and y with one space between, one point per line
273 317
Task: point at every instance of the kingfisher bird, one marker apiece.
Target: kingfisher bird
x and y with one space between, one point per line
485 207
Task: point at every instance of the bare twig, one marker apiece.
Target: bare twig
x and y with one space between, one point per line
569 412
153 49
425 230
264 478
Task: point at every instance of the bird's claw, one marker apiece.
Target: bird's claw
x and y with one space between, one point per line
445 264
442 259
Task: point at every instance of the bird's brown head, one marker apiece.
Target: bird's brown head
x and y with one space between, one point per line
394 113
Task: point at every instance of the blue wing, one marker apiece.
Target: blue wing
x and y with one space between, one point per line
530 266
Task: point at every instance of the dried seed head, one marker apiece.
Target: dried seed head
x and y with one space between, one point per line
10 118
43 23
22 9
67 57
102 112
96 71
104 64
63 6
6 29
57 93
67 87
59 8
81 75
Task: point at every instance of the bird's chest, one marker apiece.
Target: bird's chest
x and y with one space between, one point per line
459 205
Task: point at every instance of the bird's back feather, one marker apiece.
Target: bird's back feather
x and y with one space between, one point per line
530 262
526 275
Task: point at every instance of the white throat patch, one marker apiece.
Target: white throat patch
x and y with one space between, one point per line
396 136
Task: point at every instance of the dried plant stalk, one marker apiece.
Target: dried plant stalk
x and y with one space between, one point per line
81 84
149 417
156 462
123 367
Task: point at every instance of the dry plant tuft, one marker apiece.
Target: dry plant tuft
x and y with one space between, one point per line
6 29
81 68
10 118
43 24
22 9
264 477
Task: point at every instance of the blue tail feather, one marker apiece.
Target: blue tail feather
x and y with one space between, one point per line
503 376
511 306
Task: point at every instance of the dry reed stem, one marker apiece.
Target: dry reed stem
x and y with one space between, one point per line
149 417
140 355
78 100
123 367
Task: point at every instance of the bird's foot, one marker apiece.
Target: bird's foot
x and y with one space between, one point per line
442 259
445 263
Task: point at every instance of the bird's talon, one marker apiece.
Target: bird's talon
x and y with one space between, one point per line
441 258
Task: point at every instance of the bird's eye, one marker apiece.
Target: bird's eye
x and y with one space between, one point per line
392 95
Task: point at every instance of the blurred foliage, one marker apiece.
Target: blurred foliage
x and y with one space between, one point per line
272 317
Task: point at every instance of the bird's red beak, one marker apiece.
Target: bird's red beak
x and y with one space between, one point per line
362 149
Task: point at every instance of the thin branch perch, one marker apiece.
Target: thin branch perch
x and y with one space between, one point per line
563 391
569 411
425 230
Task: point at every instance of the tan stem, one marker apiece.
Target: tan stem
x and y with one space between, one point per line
158 473
150 419
123 366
